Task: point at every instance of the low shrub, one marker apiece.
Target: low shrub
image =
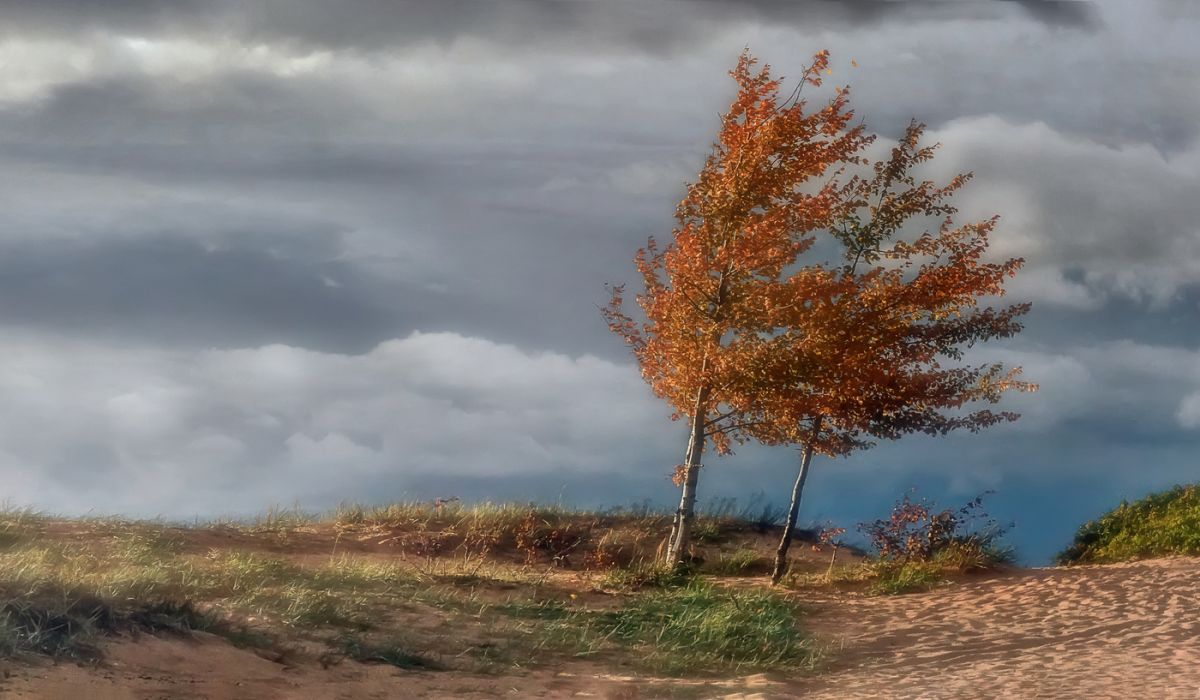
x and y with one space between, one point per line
918 544
69 623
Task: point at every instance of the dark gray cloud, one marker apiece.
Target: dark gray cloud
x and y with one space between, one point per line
1067 13
653 26
221 224
174 292
1072 13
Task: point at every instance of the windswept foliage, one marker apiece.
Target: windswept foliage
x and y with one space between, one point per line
917 544
712 295
916 531
748 339
876 355
866 357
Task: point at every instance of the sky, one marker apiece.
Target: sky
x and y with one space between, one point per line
291 252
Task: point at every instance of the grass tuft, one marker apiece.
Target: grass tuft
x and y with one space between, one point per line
894 578
698 627
643 574
68 624
740 562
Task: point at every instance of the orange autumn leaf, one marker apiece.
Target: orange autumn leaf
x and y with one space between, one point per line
875 354
746 338
709 297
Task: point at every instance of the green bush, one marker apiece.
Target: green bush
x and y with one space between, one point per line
1161 524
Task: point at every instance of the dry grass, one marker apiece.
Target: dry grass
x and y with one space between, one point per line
413 585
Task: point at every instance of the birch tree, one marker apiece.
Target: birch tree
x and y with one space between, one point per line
879 354
767 187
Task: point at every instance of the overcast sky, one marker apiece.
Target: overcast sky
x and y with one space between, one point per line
295 251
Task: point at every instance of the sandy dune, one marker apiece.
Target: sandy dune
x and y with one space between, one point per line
1123 631
1119 631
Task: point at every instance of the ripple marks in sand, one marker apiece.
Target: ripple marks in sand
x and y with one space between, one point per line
1121 631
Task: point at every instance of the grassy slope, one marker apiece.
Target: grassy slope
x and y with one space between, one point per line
1161 524
482 588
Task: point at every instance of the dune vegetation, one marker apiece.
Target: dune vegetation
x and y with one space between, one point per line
1161 524
448 586
450 596
421 586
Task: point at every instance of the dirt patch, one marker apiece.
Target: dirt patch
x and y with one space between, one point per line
209 668
1120 631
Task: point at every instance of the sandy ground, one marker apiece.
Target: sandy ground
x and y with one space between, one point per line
1119 631
1123 631
209 668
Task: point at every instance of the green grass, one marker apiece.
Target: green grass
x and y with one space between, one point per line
740 562
905 577
709 531
135 568
64 596
590 539
694 628
963 556
838 575
59 598
1162 524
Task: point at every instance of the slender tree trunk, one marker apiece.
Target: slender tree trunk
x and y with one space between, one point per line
687 459
789 526
686 515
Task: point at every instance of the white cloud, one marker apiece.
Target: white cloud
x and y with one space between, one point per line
88 426
1066 386
1126 218
1049 285
114 428
35 66
1138 386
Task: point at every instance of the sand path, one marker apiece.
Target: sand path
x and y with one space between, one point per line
1124 631
1119 631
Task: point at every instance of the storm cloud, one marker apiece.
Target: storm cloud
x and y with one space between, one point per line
410 209
662 25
